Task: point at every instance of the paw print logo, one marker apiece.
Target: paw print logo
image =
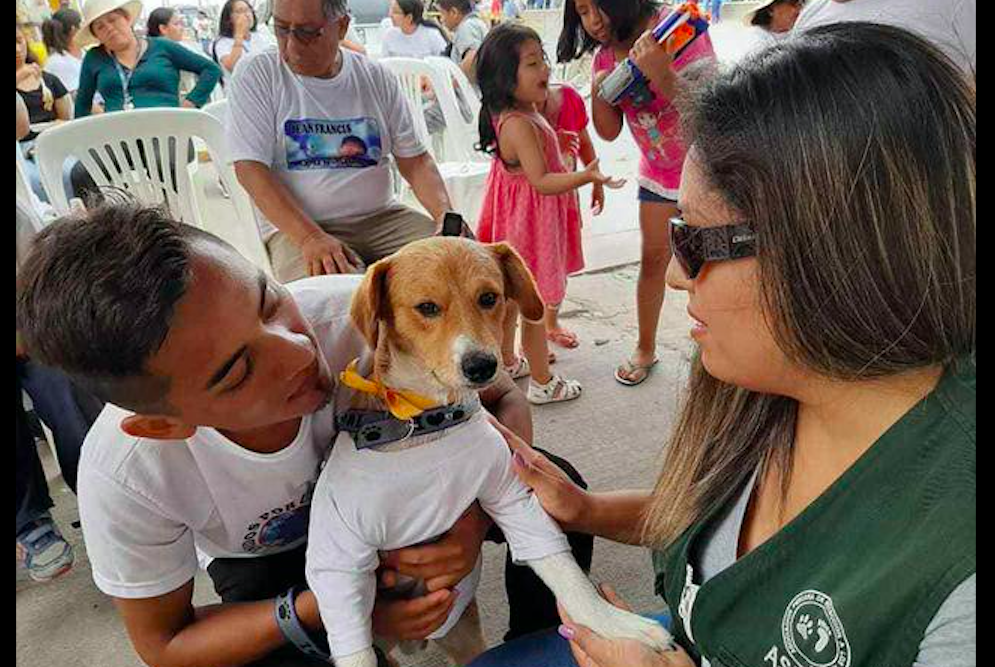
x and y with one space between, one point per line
804 626
813 632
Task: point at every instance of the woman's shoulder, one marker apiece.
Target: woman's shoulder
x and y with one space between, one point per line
54 84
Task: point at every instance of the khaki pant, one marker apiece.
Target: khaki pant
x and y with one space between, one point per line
370 238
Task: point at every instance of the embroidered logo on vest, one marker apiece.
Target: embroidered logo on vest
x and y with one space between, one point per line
813 633
688 597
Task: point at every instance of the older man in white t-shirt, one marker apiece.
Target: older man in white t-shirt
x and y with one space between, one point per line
951 26
313 128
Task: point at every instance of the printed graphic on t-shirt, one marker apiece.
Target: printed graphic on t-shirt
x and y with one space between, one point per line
281 526
352 143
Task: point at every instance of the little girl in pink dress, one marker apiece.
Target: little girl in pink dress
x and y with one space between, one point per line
529 201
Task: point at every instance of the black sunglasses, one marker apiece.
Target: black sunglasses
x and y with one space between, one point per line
695 246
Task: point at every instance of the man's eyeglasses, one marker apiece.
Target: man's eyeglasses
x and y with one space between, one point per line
302 35
695 246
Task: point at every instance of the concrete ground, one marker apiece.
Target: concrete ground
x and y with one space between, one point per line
613 434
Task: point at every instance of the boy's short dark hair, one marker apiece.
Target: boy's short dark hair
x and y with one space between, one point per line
464 6
97 293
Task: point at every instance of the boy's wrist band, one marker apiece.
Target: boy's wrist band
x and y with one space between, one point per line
290 625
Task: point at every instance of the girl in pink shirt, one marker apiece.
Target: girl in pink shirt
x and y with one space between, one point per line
616 30
566 113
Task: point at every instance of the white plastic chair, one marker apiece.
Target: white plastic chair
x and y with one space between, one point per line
465 177
218 109
135 150
411 72
462 133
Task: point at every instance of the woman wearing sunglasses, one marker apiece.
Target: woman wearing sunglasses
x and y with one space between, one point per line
817 499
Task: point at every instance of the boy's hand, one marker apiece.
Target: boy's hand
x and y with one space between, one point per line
444 563
412 620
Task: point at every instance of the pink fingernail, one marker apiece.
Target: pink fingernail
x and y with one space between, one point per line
567 632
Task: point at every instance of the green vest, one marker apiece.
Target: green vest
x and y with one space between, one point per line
855 580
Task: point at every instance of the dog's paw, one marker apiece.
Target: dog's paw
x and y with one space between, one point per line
615 623
362 659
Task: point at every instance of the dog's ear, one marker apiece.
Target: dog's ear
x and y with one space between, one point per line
371 303
519 285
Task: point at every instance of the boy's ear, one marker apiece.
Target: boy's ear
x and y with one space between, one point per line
156 427
370 304
519 285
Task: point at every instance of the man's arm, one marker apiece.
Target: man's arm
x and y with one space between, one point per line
167 631
423 176
323 254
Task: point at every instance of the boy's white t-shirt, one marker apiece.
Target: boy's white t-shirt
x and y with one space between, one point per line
424 41
951 26
368 502
327 140
151 510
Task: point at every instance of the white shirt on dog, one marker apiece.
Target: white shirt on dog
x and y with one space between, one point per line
368 501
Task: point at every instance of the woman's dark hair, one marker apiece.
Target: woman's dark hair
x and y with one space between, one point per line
159 18
764 17
463 6
853 149
416 10
626 16
57 31
225 26
497 76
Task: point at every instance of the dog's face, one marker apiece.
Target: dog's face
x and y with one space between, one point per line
434 313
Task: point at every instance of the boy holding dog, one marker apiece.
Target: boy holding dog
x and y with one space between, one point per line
217 380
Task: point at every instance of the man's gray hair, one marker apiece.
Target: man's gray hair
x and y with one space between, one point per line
335 8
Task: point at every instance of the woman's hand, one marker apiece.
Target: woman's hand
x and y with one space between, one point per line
593 171
242 27
187 104
593 650
412 620
28 72
655 61
559 496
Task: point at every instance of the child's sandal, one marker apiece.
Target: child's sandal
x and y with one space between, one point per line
520 369
557 390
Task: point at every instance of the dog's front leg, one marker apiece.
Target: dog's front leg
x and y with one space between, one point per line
575 592
366 658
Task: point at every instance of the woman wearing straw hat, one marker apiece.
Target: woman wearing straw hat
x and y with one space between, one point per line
776 16
130 72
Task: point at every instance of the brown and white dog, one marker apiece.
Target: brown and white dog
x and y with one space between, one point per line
433 315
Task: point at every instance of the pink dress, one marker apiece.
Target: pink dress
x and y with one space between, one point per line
656 126
545 230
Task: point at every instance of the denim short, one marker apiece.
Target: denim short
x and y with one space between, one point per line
653 198
547 649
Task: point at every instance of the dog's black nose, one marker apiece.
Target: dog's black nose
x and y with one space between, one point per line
479 367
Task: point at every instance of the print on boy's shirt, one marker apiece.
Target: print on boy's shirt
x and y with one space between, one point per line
352 143
281 526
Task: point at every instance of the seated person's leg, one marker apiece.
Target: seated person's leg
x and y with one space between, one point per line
547 649
389 231
44 551
65 409
532 606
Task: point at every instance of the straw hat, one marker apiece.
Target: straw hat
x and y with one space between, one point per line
748 19
94 9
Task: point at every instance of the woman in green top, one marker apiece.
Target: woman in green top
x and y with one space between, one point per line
817 501
131 72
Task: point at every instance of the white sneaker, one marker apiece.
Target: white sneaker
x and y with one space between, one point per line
556 390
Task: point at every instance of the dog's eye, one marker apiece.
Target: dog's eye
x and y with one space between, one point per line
488 300
428 309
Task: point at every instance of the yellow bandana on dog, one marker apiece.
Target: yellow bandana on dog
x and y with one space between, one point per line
402 404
